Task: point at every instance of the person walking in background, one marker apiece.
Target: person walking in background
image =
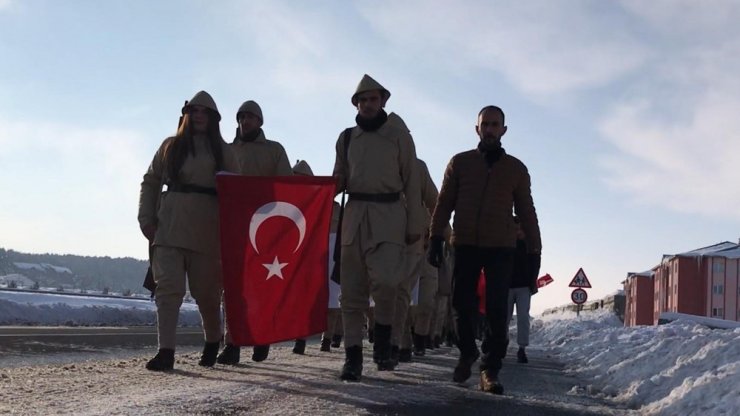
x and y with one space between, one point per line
375 164
182 226
256 156
523 286
422 277
482 186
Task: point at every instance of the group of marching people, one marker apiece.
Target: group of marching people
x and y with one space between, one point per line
394 238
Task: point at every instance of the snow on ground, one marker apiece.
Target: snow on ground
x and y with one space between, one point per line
29 308
678 368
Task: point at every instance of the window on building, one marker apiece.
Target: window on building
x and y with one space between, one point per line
718 313
718 266
718 289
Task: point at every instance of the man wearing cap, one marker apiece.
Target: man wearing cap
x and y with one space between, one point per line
376 165
482 186
181 224
256 156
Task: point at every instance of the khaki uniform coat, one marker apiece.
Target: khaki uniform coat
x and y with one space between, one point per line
184 220
381 161
261 157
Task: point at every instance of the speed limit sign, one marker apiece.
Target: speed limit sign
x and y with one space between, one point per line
578 296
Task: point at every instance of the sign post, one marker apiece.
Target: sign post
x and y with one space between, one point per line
579 296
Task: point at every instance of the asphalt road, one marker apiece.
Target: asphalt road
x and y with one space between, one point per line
25 345
540 387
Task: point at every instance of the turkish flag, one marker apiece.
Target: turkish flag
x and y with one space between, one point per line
544 280
275 255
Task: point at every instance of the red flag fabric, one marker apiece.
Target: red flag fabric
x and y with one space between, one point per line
544 280
274 253
482 293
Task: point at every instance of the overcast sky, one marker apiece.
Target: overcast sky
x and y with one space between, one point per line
625 112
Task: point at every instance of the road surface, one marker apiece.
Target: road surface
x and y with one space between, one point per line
101 371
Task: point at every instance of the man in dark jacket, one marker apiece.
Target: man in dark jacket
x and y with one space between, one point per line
482 186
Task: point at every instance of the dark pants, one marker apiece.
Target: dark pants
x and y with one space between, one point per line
497 264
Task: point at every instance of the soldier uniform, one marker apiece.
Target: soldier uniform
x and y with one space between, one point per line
417 271
182 225
377 168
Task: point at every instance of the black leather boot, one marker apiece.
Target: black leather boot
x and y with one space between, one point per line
229 356
419 345
336 340
163 361
299 347
352 369
382 348
462 369
325 344
210 352
260 352
404 355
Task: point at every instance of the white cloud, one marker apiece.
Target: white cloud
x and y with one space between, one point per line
542 47
684 165
5 4
66 187
677 133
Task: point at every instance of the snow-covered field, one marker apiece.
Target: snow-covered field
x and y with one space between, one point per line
678 368
39 308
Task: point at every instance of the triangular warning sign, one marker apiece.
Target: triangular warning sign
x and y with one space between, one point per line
580 280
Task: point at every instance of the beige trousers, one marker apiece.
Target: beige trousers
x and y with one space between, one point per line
427 299
368 269
172 268
413 261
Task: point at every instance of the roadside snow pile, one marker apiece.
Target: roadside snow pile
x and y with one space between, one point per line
679 368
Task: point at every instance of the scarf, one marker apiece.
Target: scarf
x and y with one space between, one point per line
492 153
372 124
249 137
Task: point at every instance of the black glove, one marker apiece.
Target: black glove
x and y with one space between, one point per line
435 254
534 260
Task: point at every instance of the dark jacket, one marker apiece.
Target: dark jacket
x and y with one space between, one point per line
482 198
526 268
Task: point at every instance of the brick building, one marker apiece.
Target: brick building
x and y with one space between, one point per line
703 282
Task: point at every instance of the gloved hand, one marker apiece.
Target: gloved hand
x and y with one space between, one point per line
534 260
435 255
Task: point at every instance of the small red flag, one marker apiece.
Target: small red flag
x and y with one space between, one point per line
274 254
544 280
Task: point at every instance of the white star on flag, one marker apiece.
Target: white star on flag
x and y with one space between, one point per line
274 269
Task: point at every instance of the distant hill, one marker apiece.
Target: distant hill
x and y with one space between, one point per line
122 275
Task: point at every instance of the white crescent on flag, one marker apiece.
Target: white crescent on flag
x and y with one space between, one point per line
277 209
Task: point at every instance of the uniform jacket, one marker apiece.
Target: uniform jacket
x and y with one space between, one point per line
184 220
261 157
381 161
482 199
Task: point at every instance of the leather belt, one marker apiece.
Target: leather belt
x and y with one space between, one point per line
389 197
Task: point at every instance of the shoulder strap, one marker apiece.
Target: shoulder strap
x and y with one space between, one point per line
347 135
